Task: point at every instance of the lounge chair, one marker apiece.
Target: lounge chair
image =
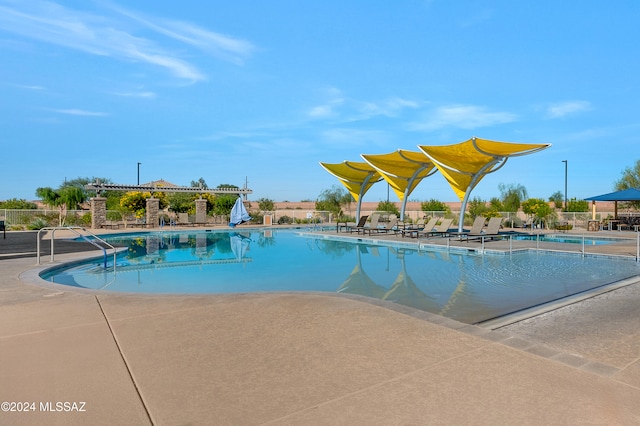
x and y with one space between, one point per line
493 229
441 230
476 228
372 224
414 232
388 227
350 228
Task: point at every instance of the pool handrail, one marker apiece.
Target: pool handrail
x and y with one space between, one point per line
75 229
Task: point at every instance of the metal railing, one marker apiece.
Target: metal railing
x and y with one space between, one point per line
95 241
582 250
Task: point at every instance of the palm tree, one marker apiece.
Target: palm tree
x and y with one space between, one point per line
512 196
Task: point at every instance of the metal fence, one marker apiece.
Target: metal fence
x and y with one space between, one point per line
26 217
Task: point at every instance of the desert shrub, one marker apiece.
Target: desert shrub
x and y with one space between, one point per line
37 223
285 220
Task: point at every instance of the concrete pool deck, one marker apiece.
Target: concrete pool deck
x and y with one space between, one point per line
312 358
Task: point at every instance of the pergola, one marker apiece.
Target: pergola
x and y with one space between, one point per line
463 165
154 187
98 204
631 194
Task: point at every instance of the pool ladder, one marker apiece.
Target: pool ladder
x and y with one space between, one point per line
95 241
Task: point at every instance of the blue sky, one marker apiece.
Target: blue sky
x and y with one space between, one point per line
263 91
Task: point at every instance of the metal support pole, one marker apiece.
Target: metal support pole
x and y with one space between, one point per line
566 205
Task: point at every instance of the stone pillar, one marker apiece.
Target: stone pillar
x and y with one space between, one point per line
153 206
98 212
201 210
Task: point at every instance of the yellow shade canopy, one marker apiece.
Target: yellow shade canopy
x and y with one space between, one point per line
403 170
463 165
357 177
466 163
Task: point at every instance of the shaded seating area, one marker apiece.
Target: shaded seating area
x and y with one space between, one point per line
476 228
463 165
620 221
491 231
441 230
347 227
373 223
390 226
413 232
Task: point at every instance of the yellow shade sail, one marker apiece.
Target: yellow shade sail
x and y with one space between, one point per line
466 163
463 165
357 177
402 169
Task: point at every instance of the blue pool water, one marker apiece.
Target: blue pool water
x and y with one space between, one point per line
467 287
569 239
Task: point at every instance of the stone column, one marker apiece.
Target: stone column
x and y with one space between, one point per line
98 212
201 210
153 206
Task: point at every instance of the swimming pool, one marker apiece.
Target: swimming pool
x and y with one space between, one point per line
465 286
568 239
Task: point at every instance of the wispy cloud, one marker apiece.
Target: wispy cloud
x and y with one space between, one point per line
112 36
328 109
387 108
220 45
80 112
29 87
145 95
343 109
562 109
462 116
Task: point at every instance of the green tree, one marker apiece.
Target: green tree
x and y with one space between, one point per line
226 186
389 207
18 204
200 183
333 199
577 205
136 202
512 196
434 205
496 204
630 179
64 198
180 202
477 207
538 209
266 205
222 204
557 199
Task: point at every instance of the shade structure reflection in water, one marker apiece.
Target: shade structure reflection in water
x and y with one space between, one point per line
464 286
